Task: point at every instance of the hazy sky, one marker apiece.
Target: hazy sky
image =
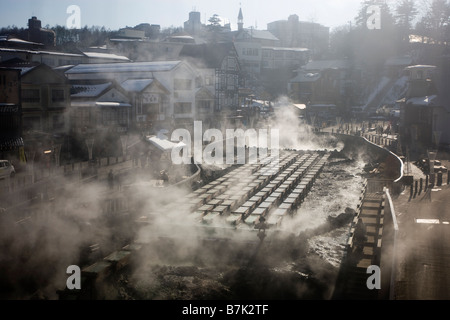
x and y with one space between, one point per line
115 14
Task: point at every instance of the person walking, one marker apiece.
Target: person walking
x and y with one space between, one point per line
111 179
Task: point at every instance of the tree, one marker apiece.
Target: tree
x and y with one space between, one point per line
387 19
406 12
436 21
214 23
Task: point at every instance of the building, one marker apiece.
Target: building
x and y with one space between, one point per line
101 112
43 105
325 82
221 71
178 79
35 33
194 25
422 116
11 141
99 108
149 99
57 59
293 33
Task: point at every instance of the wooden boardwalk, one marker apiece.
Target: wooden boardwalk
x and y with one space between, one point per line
352 281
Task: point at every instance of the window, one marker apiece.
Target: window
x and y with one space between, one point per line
57 95
82 117
204 106
231 64
182 108
32 123
58 122
109 117
31 95
123 117
183 84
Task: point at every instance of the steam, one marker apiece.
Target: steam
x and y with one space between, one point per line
37 249
295 133
163 221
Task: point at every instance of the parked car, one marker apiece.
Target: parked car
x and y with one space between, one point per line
6 169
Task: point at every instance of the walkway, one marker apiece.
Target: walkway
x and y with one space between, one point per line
423 244
353 276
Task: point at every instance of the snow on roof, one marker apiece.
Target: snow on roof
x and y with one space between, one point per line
136 85
102 55
300 106
286 49
89 91
399 61
182 37
163 144
92 104
112 104
326 64
17 40
306 77
156 66
262 34
422 101
419 66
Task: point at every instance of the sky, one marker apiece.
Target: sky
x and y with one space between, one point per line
116 14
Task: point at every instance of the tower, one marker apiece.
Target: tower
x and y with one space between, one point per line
240 20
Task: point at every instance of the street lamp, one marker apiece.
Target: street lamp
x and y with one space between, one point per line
313 120
90 146
124 140
431 157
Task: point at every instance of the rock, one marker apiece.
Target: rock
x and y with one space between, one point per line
342 218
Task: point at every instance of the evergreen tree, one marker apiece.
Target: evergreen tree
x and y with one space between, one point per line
435 23
406 12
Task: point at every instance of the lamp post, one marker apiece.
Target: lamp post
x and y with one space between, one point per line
90 146
124 141
313 120
431 157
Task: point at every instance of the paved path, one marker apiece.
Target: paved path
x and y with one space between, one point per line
423 262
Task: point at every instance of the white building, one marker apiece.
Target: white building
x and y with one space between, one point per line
168 88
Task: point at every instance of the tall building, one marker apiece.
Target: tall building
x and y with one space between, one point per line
194 25
300 34
35 33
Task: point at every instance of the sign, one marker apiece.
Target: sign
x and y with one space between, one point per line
150 98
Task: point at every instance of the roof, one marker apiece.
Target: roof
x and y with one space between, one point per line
163 144
300 106
420 66
9 39
261 34
89 91
10 143
399 61
286 49
326 64
136 85
101 55
37 52
19 64
212 55
91 104
156 66
306 77
27 66
423 101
